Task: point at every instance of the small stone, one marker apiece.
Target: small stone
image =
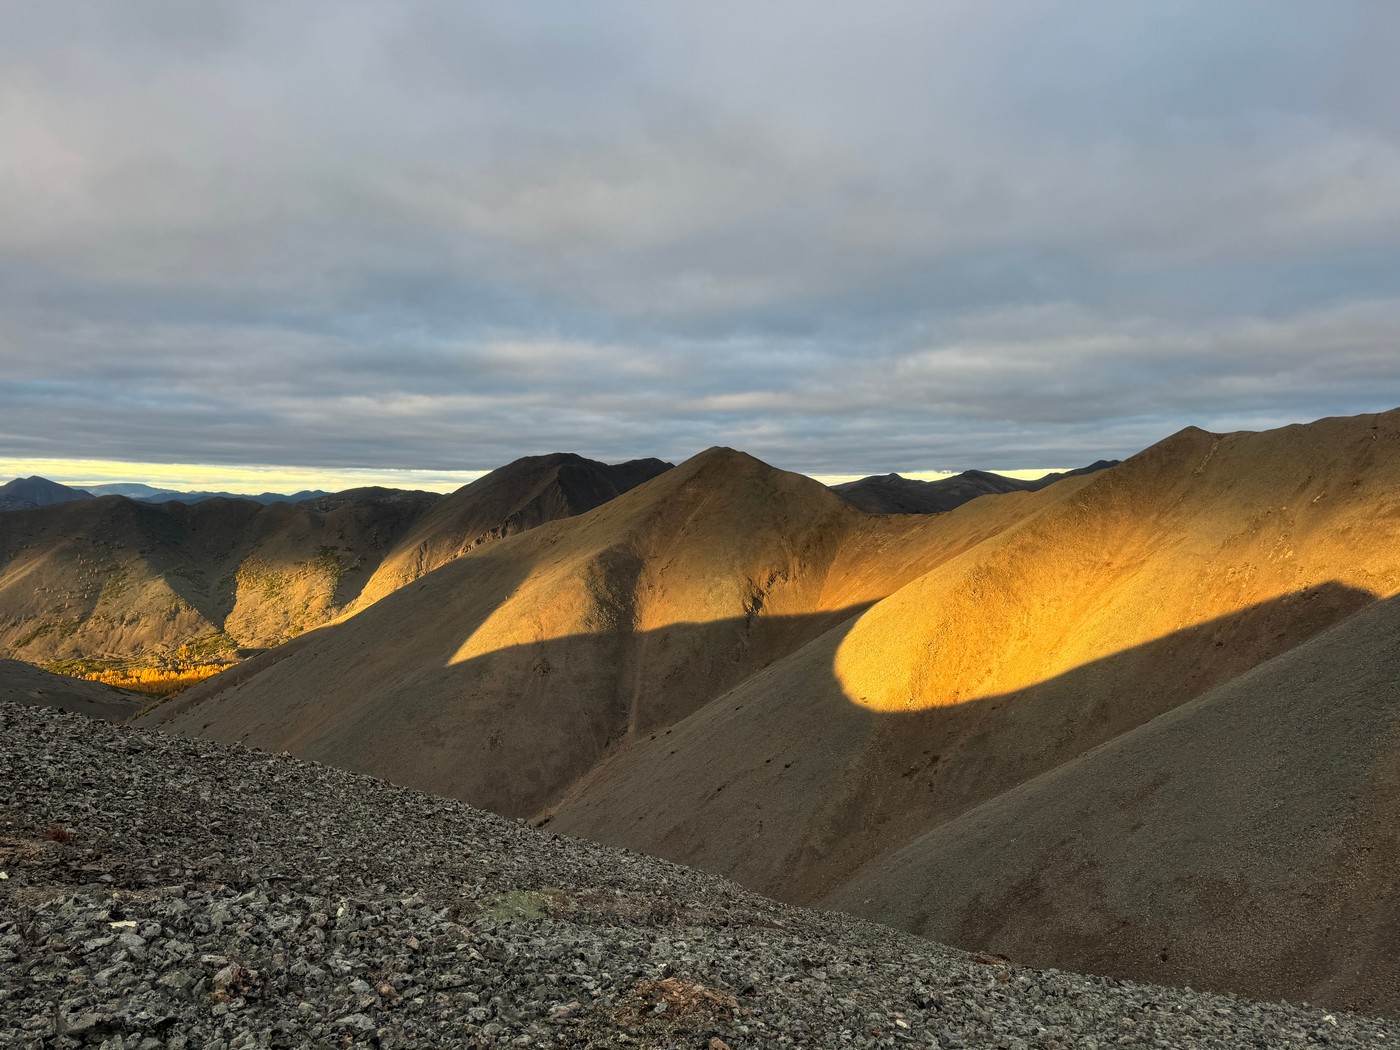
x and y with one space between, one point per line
177 980
77 1024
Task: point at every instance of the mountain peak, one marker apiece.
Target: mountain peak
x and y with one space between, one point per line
35 491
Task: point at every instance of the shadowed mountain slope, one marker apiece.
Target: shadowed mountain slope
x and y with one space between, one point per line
1244 840
22 683
893 494
514 498
31 492
114 579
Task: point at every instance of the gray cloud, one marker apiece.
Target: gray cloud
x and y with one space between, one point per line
418 235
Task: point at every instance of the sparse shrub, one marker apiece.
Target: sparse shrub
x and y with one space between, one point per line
58 833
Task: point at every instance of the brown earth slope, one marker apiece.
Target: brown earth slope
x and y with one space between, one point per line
22 683
1106 605
507 674
1245 840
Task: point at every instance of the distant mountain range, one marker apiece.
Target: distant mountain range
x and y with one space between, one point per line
29 493
894 494
151 494
877 494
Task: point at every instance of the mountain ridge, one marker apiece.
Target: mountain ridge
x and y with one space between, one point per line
144 493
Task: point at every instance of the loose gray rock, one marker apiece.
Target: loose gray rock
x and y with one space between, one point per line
212 896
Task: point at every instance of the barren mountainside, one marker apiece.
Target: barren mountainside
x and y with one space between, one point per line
114 579
508 673
731 667
1265 813
1140 590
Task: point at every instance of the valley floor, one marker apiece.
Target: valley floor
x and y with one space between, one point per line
163 892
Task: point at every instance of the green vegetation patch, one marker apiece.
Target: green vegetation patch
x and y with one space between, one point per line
83 666
219 647
327 562
256 575
63 628
116 583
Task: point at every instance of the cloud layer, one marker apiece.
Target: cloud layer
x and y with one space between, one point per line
844 238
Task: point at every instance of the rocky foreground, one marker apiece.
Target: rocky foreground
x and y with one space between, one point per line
160 892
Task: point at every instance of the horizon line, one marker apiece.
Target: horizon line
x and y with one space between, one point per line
255 479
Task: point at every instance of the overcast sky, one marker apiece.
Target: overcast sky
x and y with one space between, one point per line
847 238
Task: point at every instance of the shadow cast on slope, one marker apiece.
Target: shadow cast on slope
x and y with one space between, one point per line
788 785
508 729
729 744
1244 841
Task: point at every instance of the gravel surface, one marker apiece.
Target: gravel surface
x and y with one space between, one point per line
160 892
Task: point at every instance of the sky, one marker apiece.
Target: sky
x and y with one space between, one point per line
348 239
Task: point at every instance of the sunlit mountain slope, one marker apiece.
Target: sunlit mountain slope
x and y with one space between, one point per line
1105 606
111 579
117 585
1245 840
